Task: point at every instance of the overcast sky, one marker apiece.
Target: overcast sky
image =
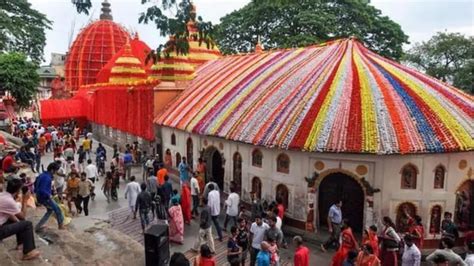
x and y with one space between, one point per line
419 19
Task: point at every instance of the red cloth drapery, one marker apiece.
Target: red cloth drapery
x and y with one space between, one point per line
126 108
129 109
55 112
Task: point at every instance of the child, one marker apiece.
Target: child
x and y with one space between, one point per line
30 185
107 186
273 249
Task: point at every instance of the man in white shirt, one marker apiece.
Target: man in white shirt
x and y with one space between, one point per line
411 254
214 202
470 254
91 171
232 204
257 234
131 193
195 195
446 254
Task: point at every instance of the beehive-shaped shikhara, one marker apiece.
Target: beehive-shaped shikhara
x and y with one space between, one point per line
93 48
199 53
173 66
127 68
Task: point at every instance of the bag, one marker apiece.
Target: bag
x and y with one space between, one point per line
161 212
390 243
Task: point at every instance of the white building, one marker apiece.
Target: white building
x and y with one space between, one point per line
328 122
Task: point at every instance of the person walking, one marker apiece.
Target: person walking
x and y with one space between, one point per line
205 229
390 243
195 191
411 253
84 194
214 202
232 204
143 205
72 189
87 146
243 239
348 243
152 184
176 222
13 219
334 221
161 173
43 195
186 203
131 193
183 171
367 257
81 158
233 248
301 257
107 186
92 174
263 256
205 257
128 161
257 234
446 252
166 191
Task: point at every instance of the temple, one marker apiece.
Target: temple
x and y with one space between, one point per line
308 124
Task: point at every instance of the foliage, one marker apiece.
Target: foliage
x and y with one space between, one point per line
295 23
22 29
18 77
448 57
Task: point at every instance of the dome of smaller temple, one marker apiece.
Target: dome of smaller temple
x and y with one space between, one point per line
139 49
173 67
127 68
199 52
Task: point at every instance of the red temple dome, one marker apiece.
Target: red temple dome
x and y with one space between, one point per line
93 48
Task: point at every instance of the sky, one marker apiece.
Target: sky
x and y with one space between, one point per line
419 19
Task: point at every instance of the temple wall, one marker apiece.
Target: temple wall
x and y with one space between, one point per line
370 171
110 136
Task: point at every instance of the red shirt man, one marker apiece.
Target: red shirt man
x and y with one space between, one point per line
301 252
8 163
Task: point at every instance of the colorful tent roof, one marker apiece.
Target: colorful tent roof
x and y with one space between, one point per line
139 49
335 97
92 49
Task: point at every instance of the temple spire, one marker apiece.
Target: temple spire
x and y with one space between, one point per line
258 46
106 11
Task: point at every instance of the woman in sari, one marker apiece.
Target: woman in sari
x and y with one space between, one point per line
348 243
176 225
186 203
417 231
201 171
366 257
370 237
390 243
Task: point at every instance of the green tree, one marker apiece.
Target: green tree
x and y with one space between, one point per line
22 29
18 77
446 56
294 23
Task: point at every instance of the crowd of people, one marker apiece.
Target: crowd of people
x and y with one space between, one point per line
69 182
389 246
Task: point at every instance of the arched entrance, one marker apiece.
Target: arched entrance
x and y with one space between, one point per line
283 193
339 186
464 213
237 173
215 169
189 152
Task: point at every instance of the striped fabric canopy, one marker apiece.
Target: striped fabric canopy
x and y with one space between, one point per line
334 97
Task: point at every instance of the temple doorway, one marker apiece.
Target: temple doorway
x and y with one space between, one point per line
339 186
215 171
464 213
